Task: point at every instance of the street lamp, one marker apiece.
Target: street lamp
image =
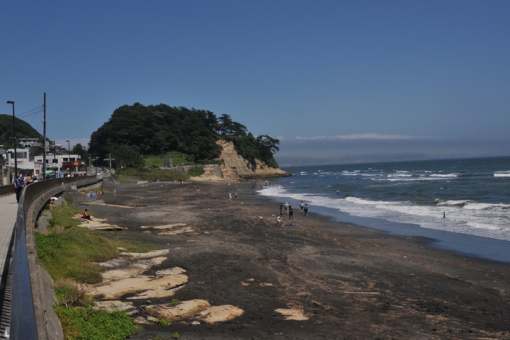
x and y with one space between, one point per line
14 137
68 151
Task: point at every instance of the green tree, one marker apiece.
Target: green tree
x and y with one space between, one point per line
157 129
23 129
125 156
78 149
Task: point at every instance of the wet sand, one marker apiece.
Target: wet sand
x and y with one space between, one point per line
350 282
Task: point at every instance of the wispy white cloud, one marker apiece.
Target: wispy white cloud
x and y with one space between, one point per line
359 136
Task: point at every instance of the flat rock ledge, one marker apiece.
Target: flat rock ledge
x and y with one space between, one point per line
96 223
292 314
194 309
125 276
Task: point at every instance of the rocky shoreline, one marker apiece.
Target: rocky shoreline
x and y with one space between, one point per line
315 279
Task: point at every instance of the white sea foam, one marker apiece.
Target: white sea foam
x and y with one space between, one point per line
502 173
460 203
410 179
462 216
445 175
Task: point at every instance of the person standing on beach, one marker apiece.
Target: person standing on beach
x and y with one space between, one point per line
229 196
305 209
19 182
291 212
281 209
286 207
301 207
114 192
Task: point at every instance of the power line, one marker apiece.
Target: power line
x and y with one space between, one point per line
28 113
31 114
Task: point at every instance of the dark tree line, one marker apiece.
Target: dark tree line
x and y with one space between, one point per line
155 129
23 130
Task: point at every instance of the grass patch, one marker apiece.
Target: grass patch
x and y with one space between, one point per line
90 324
62 216
150 175
70 253
196 171
178 159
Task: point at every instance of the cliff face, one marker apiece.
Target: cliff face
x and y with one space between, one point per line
234 166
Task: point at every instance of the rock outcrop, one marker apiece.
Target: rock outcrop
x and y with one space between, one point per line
235 167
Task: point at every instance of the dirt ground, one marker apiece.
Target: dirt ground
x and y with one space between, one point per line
350 282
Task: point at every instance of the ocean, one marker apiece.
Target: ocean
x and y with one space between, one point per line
459 204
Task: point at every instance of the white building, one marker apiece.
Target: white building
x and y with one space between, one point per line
57 163
63 163
28 142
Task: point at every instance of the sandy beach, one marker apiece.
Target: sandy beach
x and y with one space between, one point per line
341 281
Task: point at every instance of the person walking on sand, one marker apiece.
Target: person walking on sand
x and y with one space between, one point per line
286 207
19 182
281 209
301 206
305 209
230 196
291 212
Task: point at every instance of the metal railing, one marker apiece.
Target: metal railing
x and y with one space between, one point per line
6 190
27 315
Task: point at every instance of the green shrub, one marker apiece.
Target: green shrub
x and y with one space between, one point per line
90 324
69 293
150 175
196 171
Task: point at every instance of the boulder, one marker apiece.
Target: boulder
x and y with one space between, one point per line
175 312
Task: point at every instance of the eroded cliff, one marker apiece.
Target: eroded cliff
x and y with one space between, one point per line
234 166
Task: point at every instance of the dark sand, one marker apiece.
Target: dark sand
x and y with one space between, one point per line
352 282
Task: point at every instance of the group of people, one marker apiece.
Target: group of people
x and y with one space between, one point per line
290 211
19 183
304 208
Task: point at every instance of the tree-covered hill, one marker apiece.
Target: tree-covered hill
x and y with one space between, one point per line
138 130
23 129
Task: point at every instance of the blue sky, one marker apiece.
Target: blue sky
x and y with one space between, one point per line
335 81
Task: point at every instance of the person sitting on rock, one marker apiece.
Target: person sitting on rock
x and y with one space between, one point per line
86 215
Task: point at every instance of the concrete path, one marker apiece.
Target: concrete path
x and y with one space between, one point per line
8 210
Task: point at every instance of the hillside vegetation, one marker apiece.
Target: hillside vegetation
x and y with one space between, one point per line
23 129
136 131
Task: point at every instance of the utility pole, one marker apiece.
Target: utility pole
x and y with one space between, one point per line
44 139
14 135
110 159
